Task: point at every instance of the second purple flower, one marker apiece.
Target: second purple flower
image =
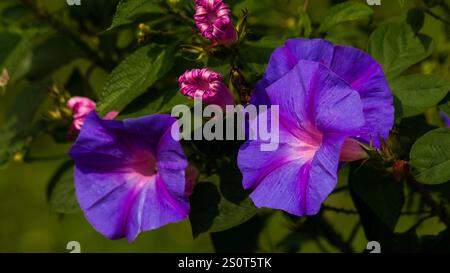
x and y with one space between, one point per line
330 98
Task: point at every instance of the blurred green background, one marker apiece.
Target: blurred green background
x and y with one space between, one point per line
27 225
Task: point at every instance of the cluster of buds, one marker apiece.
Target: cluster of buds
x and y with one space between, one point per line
60 97
73 110
143 31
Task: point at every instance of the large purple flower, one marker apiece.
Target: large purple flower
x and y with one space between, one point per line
327 96
354 66
130 175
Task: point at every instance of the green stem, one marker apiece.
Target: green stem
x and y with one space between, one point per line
46 158
436 209
437 17
339 210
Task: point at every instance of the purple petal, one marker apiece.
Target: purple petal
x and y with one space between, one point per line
366 76
161 206
311 96
300 187
356 67
284 58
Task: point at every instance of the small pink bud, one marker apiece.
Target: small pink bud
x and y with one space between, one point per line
206 84
80 107
213 19
352 151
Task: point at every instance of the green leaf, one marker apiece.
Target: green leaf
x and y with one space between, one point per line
345 12
21 124
61 190
155 101
8 41
219 202
430 157
445 105
129 10
242 238
304 23
416 93
133 76
380 192
16 59
254 56
416 19
446 108
396 47
50 55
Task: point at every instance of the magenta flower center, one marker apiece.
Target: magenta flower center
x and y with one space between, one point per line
145 165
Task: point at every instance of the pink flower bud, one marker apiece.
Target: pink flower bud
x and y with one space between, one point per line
352 151
207 85
213 19
80 107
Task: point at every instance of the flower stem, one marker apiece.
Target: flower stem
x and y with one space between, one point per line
240 83
437 17
436 208
339 210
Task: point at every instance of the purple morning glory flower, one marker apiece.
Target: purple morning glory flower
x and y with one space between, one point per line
327 96
130 175
354 66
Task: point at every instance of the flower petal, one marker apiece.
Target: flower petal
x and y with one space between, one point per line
366 76
162 206
312 96
356 67
284 58
300 187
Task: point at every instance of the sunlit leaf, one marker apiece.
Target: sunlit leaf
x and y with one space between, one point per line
128 10
345 12
134 75
416 93
61 190
430 157
397 47
219 202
